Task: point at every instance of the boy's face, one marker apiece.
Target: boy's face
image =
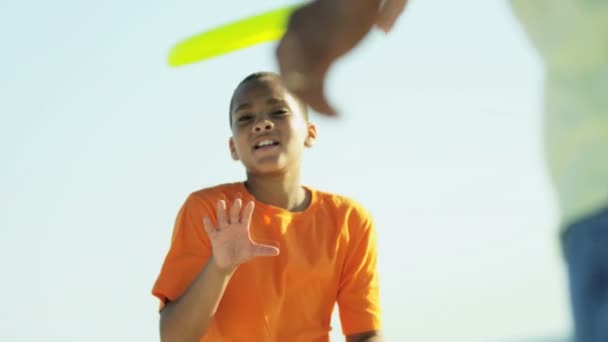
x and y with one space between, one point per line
269 131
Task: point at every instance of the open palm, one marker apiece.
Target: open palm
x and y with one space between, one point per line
231 239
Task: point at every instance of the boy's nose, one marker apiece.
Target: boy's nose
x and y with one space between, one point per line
263 125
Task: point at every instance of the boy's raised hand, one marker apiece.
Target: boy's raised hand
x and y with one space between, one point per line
230 238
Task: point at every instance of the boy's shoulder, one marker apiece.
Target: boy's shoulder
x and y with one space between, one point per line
216 192
219 189
339 202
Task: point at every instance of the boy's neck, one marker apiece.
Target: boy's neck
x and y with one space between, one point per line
282 191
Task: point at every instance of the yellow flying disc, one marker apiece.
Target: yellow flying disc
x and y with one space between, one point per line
228 38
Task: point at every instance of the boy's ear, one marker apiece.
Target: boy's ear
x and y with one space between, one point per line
233 154
311 136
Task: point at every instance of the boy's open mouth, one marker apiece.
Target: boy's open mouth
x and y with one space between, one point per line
266 143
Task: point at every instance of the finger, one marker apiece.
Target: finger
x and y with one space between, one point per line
390 11
222 220
208 226
265 250
247 213
316 99
310 88
235 211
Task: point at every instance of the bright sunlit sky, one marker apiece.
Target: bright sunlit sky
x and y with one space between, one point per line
440 138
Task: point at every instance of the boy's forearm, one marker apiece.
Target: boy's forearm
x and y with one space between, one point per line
187 318
370 336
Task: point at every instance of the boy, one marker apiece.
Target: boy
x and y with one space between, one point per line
267 259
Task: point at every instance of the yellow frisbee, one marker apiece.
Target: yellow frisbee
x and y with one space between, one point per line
234 36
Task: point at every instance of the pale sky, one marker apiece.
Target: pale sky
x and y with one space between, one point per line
440 139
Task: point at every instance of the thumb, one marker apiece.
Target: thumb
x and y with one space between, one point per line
310 88
390 11
265 250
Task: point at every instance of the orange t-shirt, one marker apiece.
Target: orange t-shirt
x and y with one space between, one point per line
328 255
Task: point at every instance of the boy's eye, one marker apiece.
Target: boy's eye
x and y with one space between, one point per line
245 118
280 112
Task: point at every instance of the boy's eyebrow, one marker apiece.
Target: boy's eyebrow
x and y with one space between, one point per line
242 106
270 101
275 101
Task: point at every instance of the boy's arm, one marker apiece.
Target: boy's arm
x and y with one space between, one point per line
321 32
187 318
359 292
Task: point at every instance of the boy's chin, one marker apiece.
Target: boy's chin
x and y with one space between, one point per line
266 169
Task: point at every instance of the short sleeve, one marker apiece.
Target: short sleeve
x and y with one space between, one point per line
359 292
189 251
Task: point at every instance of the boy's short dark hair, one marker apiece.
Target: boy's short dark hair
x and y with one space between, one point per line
256 76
